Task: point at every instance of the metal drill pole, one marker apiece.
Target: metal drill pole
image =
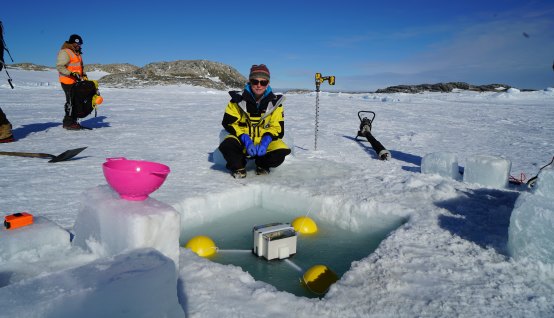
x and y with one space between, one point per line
316 113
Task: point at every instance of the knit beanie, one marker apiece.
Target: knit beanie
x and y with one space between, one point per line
259 71
75 38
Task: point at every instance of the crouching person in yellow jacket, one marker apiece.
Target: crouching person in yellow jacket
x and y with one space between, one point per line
255 122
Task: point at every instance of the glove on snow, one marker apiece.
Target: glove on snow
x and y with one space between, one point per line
248 144
262 147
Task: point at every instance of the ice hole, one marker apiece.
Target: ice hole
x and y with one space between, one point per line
343 237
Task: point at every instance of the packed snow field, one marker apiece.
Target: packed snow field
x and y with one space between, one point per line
450 257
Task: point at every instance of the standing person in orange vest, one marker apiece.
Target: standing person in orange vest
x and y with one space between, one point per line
70 69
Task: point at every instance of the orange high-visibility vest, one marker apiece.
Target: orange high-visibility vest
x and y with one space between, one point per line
75 65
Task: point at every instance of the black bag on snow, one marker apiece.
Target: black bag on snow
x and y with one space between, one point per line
81 95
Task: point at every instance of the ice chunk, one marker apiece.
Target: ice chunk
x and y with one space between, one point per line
488 171
545 183
530 233
31 242
109 225
139 283
442 163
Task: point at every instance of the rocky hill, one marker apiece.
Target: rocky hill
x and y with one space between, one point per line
30 67
443 87
193 72
111 68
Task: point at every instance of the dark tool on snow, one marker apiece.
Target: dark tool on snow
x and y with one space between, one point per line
4 47
531 182
66 155
365 131
318 80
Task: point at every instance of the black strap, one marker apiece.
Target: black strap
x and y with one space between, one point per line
531 182
5 48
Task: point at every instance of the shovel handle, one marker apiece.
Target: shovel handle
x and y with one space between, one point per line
26 154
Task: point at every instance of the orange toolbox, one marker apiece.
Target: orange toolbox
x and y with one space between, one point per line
13 221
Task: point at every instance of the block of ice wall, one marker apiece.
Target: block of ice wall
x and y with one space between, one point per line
139 283
34 241
488 171
545 183
531 234
109 225
442 163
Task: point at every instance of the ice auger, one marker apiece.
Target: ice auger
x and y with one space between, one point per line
365 131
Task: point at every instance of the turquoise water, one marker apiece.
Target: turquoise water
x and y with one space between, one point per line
331 246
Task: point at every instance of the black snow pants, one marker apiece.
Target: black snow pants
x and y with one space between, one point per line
232 151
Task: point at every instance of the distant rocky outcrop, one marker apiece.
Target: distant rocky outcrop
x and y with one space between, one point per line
298 91
111 68
193 72
30 67
443 87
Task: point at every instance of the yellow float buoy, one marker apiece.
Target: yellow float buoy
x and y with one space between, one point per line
319 278
202 245
304 225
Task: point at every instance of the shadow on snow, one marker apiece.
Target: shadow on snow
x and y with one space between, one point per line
25 130
398 155
96 122
481 216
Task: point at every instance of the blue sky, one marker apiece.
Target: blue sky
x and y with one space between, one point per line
365 44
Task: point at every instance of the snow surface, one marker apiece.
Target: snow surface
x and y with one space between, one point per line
449 259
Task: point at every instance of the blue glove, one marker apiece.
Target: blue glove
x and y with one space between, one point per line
248 144
262 147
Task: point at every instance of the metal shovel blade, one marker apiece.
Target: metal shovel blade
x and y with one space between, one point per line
66 155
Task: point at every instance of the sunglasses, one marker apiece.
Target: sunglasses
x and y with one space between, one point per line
256 82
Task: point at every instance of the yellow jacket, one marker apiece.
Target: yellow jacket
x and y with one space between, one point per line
244 116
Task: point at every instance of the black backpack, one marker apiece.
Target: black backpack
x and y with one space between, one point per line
81 95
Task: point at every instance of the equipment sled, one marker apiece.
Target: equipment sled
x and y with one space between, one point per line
365 131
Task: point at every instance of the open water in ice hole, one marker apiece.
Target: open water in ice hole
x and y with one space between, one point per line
331 246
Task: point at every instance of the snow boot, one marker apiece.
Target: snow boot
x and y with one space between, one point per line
6 133
261 171
7 139
74 126
239 173
71 124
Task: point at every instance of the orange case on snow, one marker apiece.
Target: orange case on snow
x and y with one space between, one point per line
13 221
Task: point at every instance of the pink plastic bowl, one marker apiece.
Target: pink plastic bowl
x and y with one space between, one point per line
134 179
